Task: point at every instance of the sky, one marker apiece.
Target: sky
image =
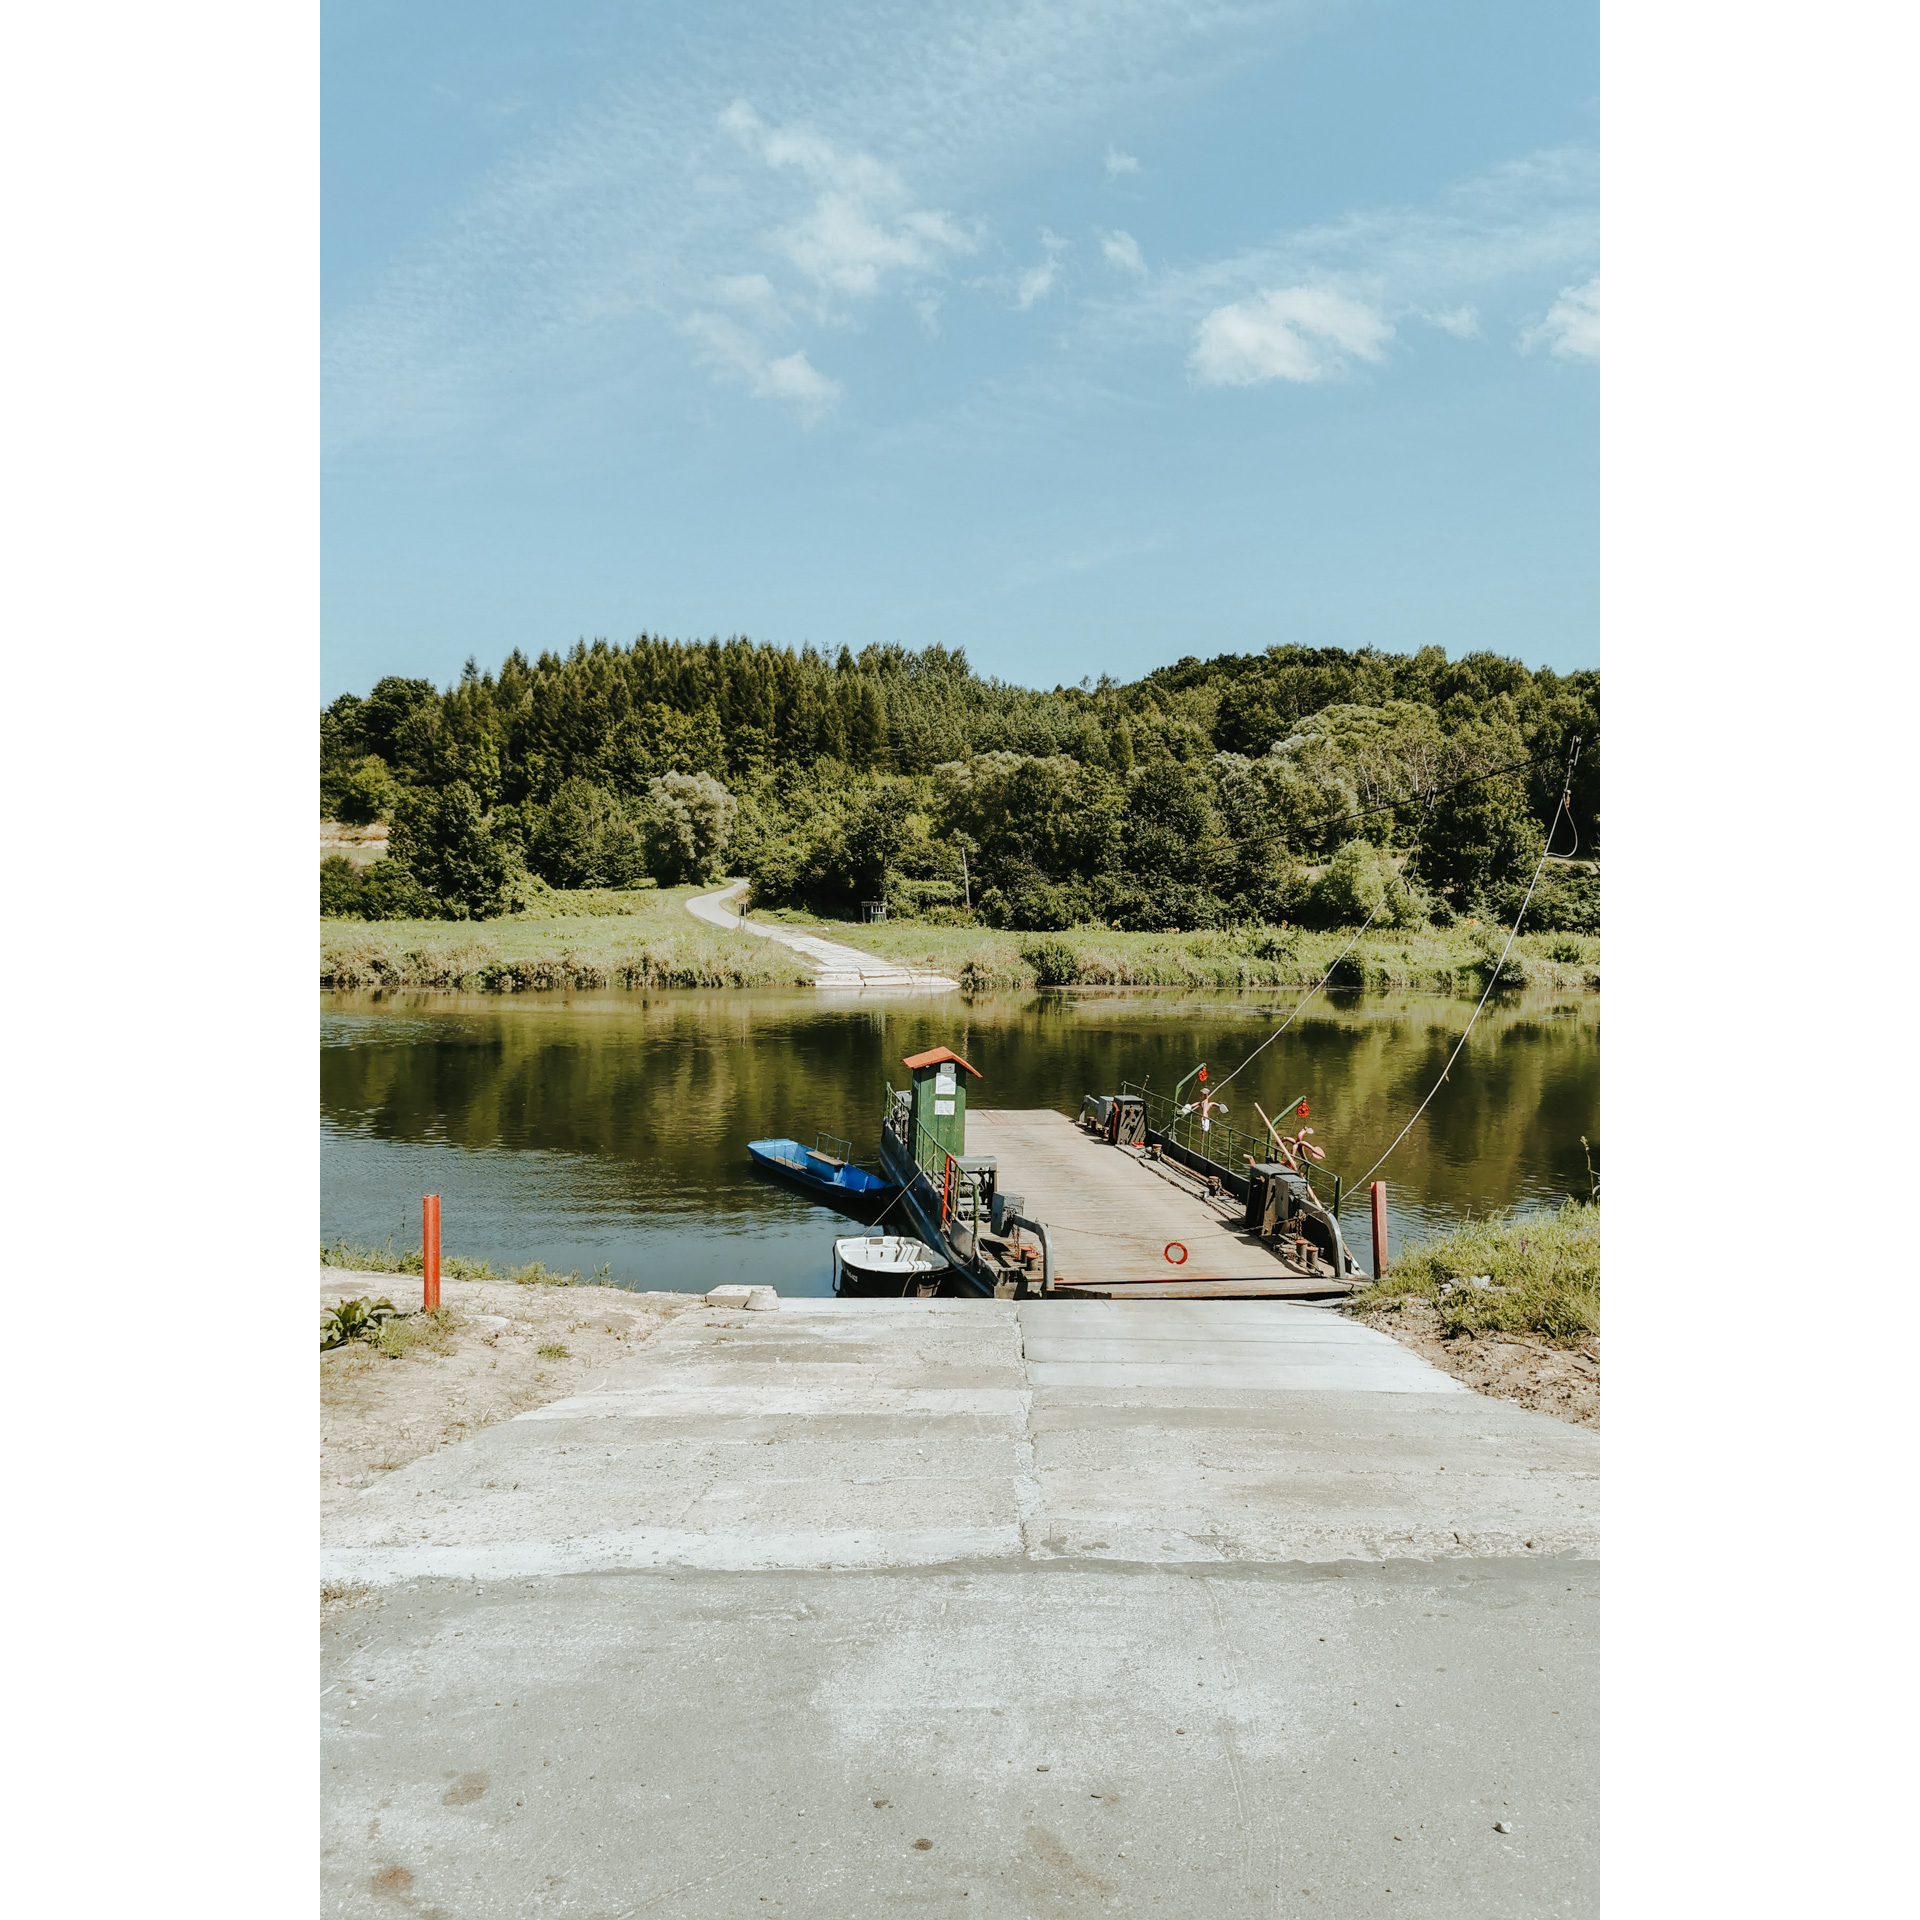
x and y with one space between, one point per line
1083 335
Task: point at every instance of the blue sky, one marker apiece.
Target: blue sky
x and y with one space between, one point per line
1080 335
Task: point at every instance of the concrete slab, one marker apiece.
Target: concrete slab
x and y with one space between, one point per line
1003 1741
1224 1629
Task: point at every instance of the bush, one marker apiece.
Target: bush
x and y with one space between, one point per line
1054 963
339 889
383 891
1353 887
362 1319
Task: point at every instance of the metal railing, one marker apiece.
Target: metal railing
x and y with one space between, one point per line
956 1188
1225 1148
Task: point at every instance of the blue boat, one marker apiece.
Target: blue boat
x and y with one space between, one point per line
825 1168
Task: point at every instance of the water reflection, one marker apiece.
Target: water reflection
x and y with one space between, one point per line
612 1127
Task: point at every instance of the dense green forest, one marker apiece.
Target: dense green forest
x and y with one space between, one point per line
1299 785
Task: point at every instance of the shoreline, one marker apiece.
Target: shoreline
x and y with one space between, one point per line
649 950
1562 1381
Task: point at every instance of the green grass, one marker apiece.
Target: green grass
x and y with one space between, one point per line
1429 958
1545 1269
383 1259
646 938
598 938
417 1332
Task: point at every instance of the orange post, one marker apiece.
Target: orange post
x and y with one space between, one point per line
1379 1229
430 1254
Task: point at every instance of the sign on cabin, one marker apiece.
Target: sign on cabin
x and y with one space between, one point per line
940 1097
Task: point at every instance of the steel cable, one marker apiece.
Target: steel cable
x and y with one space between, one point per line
1493 977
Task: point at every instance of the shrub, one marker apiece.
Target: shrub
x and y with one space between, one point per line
1489 942
1353 886
1567 900
383 891
1054 963
339 888
362 1319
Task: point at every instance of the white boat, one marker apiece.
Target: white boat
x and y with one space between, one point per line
885 1263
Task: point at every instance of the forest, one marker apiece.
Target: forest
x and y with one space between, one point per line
1295 786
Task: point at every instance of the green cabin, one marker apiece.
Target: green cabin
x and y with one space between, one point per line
940 1096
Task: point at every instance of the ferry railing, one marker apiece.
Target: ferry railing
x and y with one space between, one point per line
1224 1149
954 1187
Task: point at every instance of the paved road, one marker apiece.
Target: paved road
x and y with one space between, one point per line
837 965
1203 1608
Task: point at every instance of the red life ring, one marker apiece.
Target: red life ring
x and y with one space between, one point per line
1172 1249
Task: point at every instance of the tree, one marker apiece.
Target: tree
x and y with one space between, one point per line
358 795
689 824
586 837
1478 836
387 709
443 841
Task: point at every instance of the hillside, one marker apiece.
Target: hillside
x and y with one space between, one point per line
1300 786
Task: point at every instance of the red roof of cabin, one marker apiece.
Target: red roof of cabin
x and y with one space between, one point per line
933 1058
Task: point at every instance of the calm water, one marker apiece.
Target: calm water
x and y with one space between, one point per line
584 1129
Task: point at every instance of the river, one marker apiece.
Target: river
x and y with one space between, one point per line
593 1129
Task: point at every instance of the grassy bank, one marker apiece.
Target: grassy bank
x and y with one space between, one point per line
384 1259
604 938
646 938
1425 959
1542 1270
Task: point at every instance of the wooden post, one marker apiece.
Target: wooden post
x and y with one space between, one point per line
430 1254
1379 1229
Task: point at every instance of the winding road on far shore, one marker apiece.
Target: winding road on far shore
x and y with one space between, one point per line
835 965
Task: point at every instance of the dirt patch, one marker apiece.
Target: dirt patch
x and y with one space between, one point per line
498 1350
1562 1381
362 845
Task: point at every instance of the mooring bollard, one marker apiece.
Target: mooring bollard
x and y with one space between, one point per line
1379 1193
430 1254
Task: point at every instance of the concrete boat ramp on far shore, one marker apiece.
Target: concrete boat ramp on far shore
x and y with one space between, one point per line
837 964
984 1607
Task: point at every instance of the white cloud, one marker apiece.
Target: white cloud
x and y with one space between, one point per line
1507 234
1571 330
1123 251
1288 333
862 223
1462 322
1119 163
734 354
751 292
1037 282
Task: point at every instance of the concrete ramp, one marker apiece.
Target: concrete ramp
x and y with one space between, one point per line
1272 1345
856 1609
835 964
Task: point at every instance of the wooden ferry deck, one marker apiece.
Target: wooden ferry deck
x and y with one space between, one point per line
1111 1213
